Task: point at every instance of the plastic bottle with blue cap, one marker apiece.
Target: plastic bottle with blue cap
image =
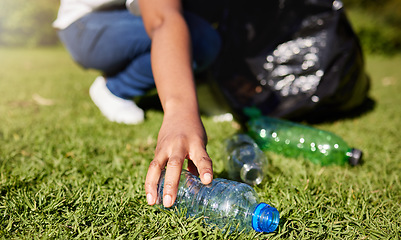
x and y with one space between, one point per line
225 204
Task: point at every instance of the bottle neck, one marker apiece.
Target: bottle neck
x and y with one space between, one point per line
354 156
251 174
265 218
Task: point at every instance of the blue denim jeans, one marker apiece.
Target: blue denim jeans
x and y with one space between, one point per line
116 43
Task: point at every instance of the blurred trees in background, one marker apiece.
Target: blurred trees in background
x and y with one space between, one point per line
390 10
28 23
377 23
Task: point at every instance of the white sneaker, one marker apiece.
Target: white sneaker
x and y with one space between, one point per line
114 108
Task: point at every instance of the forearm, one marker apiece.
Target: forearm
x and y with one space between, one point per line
172 63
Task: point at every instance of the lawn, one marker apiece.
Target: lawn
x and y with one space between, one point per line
66 172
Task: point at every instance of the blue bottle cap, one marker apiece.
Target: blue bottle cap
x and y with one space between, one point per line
265 218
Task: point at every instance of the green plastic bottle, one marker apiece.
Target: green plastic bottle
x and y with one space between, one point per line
298 140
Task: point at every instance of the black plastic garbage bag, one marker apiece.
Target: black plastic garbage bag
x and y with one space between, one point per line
289 58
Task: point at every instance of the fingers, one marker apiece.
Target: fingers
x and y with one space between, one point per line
192 168
203 165
152 179
199 162
171 179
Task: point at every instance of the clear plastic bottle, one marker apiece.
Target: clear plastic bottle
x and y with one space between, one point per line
223 203
245 161
298 140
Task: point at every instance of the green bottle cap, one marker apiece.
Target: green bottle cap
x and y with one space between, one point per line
355 157
252 112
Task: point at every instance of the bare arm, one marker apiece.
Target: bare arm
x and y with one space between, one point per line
182 135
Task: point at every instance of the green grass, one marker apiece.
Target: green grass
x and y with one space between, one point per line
66 172
374 31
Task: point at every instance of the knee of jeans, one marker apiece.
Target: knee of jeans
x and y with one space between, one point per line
213 43
206 41
207 51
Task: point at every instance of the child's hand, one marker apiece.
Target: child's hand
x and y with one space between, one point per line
180 138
